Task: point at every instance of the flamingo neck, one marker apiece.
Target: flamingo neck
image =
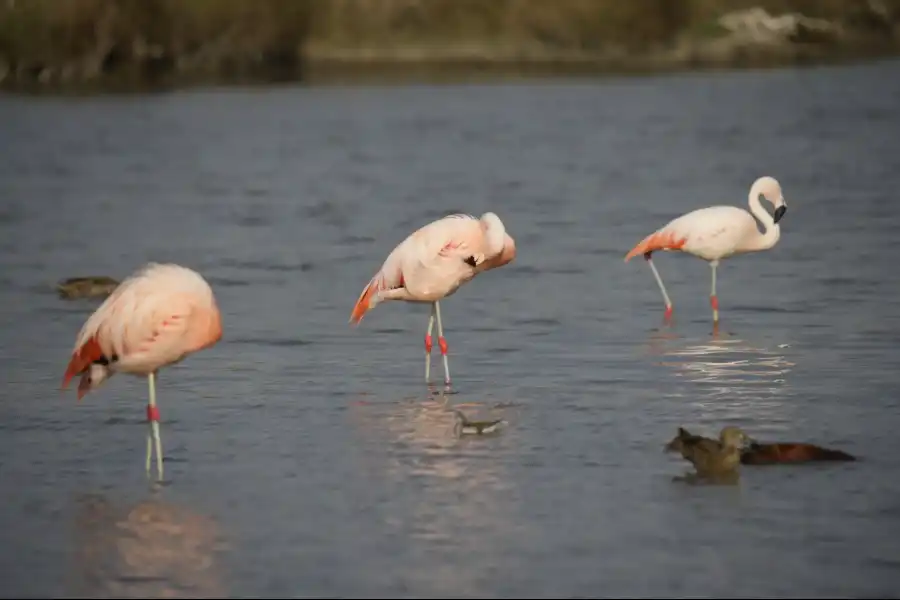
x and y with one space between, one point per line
772 233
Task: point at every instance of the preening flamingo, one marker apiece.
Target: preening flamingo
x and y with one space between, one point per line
432 263
156 317
717 232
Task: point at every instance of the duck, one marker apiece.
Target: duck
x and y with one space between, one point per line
98 286
711 458
790 453
463 426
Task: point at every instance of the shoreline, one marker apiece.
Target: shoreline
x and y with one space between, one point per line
125 62
387 70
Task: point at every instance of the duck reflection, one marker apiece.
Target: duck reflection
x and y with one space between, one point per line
152 550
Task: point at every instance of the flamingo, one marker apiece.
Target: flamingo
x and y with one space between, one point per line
432 263
155 318
717 232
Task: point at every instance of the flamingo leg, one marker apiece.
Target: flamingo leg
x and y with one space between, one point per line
428 345
662 287
153 428
442 342
713 299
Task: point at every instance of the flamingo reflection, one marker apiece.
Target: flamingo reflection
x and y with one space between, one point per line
152 550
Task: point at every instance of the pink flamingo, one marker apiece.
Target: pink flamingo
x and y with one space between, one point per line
154 318
717 232
432 263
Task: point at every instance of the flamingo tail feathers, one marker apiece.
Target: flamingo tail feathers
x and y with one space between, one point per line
659 240
82 359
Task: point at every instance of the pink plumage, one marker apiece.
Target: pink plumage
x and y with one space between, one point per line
433 262
155 318
717 232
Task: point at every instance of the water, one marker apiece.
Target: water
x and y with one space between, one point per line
305 458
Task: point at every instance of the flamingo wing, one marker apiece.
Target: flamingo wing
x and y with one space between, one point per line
446 248
455 238
665 238
388 277
146 323
715 227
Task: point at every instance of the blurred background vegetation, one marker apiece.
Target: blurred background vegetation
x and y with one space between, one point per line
77 41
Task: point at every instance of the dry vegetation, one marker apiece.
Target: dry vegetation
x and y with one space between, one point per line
68 41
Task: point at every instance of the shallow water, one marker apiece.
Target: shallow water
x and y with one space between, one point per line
306 458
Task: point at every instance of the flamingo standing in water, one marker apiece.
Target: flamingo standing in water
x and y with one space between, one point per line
432 263
155 318
717 232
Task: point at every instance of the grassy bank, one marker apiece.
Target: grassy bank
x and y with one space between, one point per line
52 44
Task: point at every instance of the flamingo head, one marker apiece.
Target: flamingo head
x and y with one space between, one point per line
508 254
91 379
770 189
501 247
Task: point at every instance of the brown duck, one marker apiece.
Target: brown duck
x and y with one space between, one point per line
86 287
790 453
711 458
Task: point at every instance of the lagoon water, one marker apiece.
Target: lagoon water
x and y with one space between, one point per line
307 458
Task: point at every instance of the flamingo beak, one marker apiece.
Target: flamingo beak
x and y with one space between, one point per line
779 213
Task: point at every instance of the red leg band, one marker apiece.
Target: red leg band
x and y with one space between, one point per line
714 301
443 344
152 412
428 344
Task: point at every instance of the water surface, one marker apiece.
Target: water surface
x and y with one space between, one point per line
306 458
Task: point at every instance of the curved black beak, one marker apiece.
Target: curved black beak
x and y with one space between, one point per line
779 213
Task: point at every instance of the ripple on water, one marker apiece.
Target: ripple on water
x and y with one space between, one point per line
730 380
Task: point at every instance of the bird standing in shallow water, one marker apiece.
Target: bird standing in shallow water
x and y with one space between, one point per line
432 263
155 318
717 232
